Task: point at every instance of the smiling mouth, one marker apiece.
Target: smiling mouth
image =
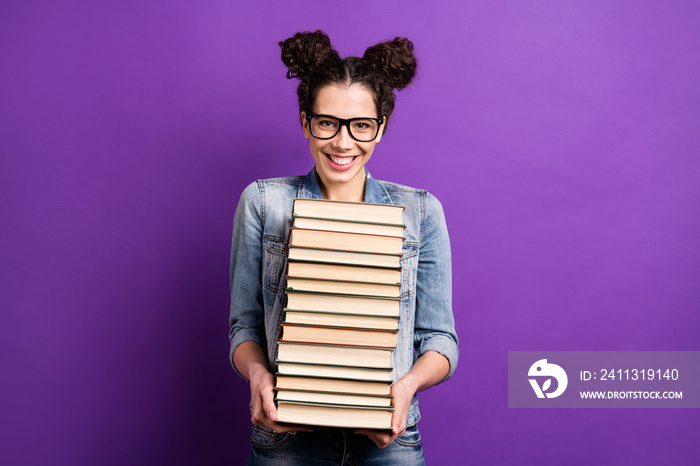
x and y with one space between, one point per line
338 160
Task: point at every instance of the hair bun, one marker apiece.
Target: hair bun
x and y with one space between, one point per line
395 60
306 51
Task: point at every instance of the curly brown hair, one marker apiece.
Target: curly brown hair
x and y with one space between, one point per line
383 68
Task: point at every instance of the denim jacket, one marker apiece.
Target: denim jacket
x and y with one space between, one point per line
258 263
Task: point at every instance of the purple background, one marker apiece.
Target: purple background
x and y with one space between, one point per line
561 136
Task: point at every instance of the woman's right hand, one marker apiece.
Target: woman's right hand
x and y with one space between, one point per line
262 397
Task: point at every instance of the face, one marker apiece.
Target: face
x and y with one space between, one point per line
340 161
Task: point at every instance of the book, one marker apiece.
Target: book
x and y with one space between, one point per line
337 372
307 396
333 256
334 354
341 320
323 285
367 417
333 385
353 211
348 226
343 272
343 304
338 335
343 241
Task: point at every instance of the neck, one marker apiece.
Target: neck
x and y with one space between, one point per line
354 191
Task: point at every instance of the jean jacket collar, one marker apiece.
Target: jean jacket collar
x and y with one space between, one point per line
375 193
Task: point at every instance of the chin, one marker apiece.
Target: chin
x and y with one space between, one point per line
340 178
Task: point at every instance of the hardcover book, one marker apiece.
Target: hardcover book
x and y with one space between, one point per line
334 354
331 371
323 285
307 396
341 320
338 335
333 385
367 417
343 304
352 211
347 226
342 241
335 256
343 272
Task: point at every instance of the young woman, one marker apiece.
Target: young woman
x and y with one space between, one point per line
332 92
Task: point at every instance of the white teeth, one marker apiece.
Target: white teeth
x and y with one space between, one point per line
341 160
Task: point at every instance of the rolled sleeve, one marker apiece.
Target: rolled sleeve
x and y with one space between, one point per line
434 319
246 316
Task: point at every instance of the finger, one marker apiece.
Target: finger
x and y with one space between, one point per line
281 428
381 438
373 437
258 415
371 432
398 421
268 404
384 440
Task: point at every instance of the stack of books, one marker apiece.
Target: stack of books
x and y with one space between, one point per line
342 315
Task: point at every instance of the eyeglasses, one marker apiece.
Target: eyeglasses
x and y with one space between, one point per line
360 129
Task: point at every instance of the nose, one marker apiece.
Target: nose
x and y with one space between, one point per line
343 140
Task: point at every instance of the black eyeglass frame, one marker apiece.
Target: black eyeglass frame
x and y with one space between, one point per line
345 122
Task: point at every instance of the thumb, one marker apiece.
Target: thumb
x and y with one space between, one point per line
268 405
396 424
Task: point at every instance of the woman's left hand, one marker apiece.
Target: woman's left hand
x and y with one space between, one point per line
403 394
429 369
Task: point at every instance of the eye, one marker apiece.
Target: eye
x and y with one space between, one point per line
363 125
327 123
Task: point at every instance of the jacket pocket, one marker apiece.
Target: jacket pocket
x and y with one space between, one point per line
275 261
274 283
409 270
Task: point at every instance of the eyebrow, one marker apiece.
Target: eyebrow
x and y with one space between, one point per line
353 118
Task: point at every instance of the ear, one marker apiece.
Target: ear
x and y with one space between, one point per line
305 125
381 130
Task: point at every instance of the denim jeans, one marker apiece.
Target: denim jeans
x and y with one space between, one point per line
327 446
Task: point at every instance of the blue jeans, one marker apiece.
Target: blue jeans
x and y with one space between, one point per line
332 446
